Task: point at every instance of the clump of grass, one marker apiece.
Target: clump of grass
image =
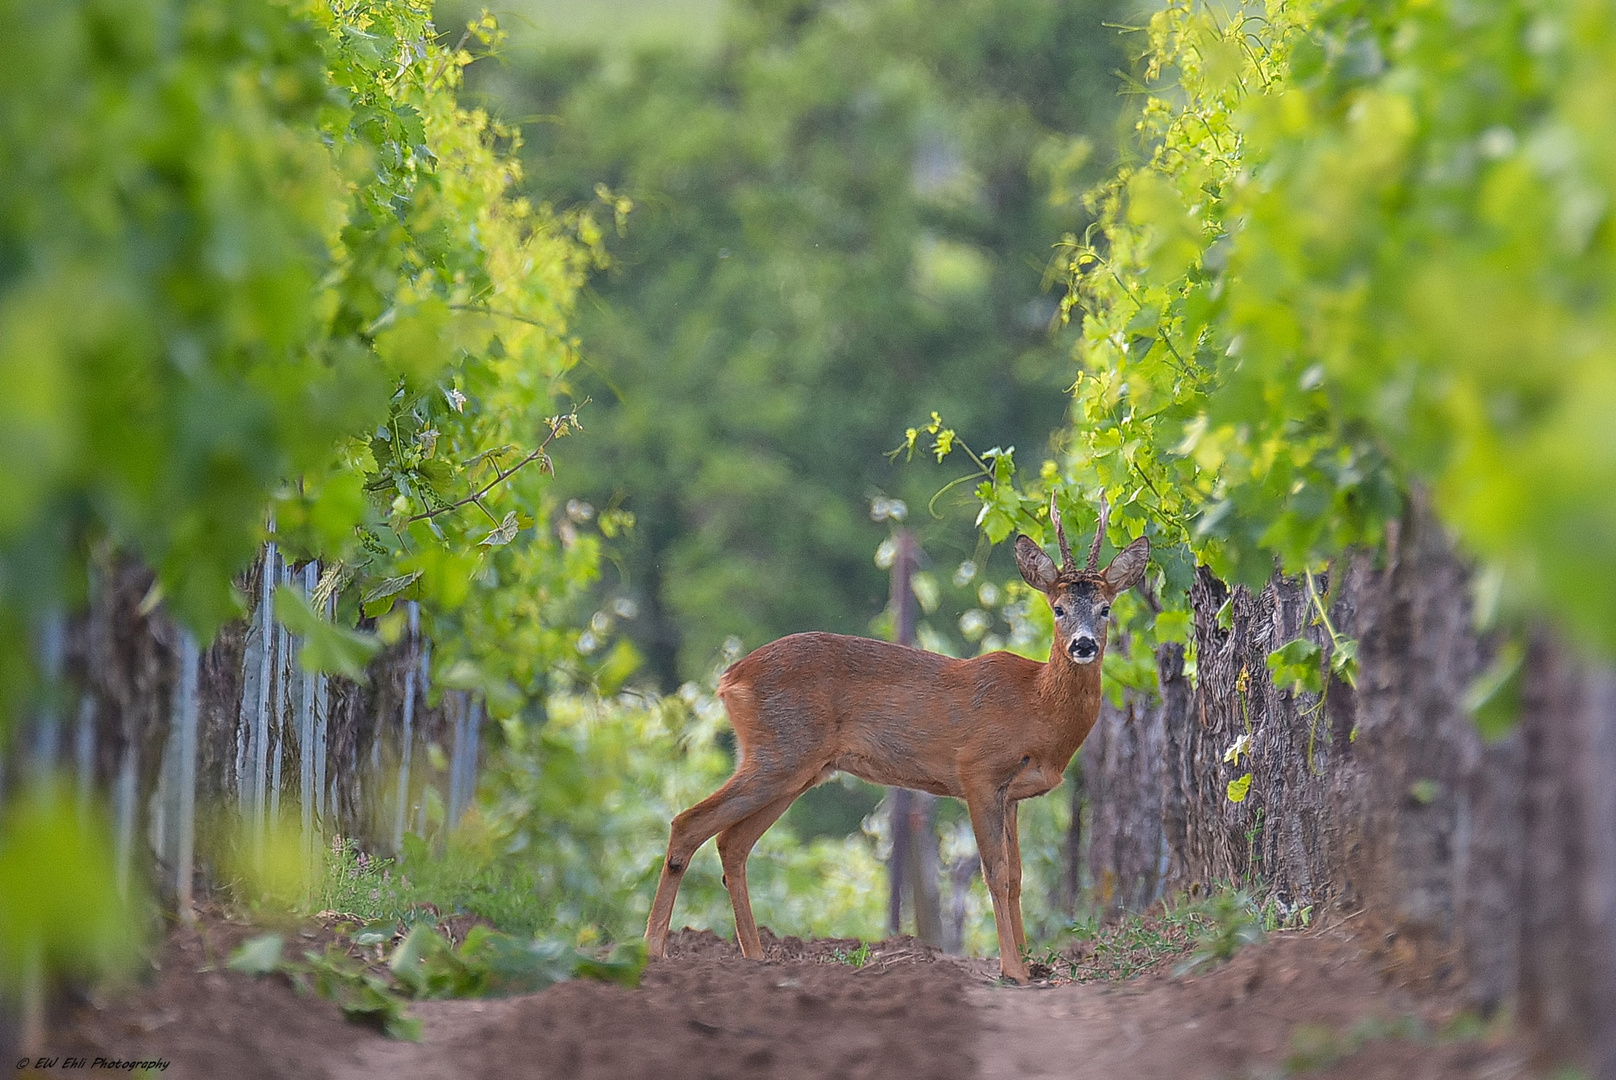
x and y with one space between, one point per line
1115 951
355 883
1228 922
1197 934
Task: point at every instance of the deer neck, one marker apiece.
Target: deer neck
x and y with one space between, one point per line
1070 694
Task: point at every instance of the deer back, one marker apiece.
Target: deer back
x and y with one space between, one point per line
895 715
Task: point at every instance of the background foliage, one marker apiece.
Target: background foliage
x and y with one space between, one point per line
1362 250
299 277
843 220
258 265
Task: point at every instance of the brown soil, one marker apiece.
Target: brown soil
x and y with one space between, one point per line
705 1012
1309 1004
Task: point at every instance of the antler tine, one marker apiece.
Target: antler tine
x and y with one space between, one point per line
1099 533
1067 562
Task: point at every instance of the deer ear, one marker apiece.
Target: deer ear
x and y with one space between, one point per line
1037 568
1129 566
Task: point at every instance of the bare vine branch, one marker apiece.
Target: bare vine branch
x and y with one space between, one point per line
559 426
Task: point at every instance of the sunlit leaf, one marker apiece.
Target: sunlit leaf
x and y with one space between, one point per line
504 534
390 587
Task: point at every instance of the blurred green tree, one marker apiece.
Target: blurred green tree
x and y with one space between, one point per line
842 222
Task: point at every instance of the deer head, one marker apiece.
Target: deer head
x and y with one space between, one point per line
1081 599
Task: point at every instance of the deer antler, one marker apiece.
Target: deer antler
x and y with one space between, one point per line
1099 533
1067 562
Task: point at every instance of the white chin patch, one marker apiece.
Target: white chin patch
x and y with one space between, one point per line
1083 659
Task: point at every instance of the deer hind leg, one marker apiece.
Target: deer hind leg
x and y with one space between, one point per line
742 795
734 845
1012 846
988 821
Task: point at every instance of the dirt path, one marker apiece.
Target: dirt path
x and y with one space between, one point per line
1312 1000
1300 1004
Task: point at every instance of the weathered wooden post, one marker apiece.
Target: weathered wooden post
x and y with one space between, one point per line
186 714
306 790
459 704
402 809
913 866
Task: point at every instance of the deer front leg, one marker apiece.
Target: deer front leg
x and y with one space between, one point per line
988 816
1013 859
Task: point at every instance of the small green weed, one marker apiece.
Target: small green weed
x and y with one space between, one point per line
491 964
1276 914
1228 922
858 957
419 884
363 996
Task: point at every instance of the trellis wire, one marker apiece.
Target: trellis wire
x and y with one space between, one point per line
260 730
322 729
305 737
286 670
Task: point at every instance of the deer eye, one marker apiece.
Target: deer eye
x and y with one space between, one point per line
1060 612
1105 612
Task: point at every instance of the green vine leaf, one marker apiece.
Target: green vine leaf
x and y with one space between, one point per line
1494 698
1295 666
258 955
504 534
388 589
326 646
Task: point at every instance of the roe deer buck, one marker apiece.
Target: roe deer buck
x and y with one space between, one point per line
990 730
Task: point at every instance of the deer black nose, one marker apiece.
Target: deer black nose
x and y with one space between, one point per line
1084 647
